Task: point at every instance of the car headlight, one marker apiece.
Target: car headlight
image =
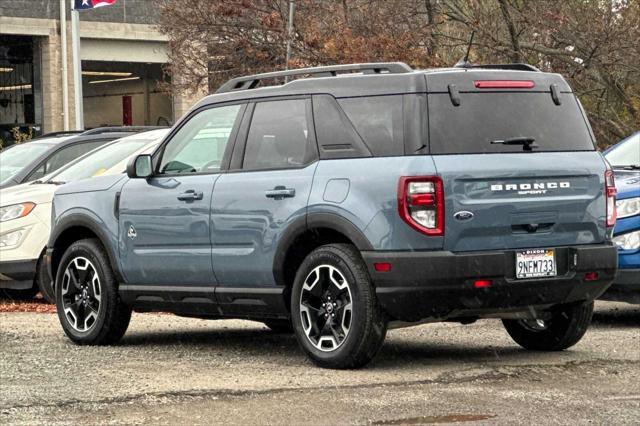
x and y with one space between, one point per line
15 211
628 241
11 239
628 207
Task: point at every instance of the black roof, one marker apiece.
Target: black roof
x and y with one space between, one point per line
377 79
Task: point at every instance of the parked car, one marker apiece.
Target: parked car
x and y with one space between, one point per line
624 157
25 213
341 206
30 161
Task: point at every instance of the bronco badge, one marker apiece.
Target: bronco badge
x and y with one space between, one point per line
132 232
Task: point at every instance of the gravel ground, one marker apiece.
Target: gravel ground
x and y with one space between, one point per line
170 370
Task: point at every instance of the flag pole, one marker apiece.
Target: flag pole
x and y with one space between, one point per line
77 66
65 66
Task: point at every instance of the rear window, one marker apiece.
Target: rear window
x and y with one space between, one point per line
485 117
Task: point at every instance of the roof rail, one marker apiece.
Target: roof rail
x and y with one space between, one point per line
120 129
513 67
252 81
58 134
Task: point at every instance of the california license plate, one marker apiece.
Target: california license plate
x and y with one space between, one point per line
535 263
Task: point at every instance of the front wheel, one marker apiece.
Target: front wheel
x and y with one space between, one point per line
565 327
335 314
87 300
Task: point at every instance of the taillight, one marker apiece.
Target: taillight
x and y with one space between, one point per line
504 84
610 192
421 203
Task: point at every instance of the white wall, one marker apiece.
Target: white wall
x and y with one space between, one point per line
103 103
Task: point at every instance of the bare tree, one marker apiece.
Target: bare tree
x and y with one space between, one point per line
592 42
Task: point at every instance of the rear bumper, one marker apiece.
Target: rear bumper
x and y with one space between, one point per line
625 287
17 275
440 284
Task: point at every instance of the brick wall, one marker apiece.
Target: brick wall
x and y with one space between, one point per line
127 11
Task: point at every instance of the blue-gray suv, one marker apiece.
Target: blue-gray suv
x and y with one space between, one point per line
348 200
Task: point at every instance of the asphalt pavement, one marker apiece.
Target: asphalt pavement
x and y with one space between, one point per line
171 370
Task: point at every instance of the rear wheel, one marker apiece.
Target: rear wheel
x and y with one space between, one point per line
87 300
565 328
335 313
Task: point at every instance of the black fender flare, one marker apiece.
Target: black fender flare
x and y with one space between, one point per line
302 224
82 220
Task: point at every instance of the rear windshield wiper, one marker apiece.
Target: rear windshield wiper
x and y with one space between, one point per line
526 142
627 167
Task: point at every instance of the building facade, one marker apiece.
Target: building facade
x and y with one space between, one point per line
123 56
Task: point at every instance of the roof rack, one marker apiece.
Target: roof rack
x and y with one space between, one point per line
121 129
513 67
252 81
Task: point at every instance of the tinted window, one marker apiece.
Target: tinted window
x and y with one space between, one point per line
63 157
278 136
336 136
378 120
200 144
485 117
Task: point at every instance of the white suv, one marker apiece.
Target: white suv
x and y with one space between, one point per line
25 212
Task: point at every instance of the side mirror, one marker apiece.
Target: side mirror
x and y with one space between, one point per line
140 166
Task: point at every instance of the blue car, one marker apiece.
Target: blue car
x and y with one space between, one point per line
625 160
348 200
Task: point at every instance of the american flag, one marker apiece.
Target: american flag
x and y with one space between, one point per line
92 4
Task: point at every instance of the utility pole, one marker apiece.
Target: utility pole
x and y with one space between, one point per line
292 11
77 67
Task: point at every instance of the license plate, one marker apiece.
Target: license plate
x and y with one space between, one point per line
535 263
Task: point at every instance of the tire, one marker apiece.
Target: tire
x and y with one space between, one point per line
279 326
43 283
565 328
352 336
91 312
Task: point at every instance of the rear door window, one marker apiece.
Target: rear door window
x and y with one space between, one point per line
63 157
484 117
279 136
378 120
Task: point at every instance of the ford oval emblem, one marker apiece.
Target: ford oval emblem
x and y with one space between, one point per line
463 215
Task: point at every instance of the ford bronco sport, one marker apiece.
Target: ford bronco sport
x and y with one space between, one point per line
351 199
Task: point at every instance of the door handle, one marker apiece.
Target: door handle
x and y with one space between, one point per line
190 195
280 192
